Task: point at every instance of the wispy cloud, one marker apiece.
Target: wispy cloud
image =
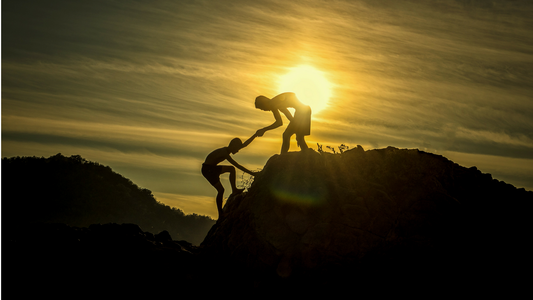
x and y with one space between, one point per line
169 81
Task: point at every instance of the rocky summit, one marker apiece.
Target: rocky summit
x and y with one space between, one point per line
372 214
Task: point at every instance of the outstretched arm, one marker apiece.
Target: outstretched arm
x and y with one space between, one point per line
233 162
248 141
274 125
287 113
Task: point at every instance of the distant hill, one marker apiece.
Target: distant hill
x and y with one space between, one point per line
77 192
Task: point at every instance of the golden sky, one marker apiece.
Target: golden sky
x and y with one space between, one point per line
151 87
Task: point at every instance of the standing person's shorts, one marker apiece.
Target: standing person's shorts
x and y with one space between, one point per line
212 173
301 123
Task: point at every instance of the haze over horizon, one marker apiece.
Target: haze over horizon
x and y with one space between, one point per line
150 88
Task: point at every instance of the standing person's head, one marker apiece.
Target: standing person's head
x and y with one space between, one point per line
262 102
235 145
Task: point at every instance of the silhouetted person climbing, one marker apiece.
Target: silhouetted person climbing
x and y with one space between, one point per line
211 170
300 123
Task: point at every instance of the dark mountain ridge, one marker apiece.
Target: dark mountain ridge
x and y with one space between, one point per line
77 192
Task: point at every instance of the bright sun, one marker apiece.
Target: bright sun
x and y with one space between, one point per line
309 85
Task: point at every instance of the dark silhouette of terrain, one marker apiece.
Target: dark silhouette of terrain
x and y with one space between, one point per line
366 222
102 260
374 217
77 192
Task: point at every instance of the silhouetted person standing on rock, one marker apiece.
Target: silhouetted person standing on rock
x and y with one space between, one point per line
300 123
212 171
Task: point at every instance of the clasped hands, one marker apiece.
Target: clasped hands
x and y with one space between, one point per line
260 132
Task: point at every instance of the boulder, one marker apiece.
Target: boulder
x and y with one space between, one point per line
363 213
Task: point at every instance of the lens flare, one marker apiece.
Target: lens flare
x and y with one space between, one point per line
287 188
308 199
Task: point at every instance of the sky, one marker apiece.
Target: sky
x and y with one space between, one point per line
150 88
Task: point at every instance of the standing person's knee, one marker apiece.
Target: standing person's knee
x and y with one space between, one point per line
287 135
301 141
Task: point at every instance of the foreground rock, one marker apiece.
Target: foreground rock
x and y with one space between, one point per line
331 219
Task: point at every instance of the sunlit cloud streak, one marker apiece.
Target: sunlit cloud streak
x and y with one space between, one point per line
153 87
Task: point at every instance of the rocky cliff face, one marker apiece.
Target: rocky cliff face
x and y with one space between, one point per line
371 213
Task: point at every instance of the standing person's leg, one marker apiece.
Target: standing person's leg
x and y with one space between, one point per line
300 138
286 142
302 120
287 138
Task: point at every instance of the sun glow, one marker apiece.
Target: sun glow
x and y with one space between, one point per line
310 86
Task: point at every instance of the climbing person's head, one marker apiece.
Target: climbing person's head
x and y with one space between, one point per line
262 102
235 145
